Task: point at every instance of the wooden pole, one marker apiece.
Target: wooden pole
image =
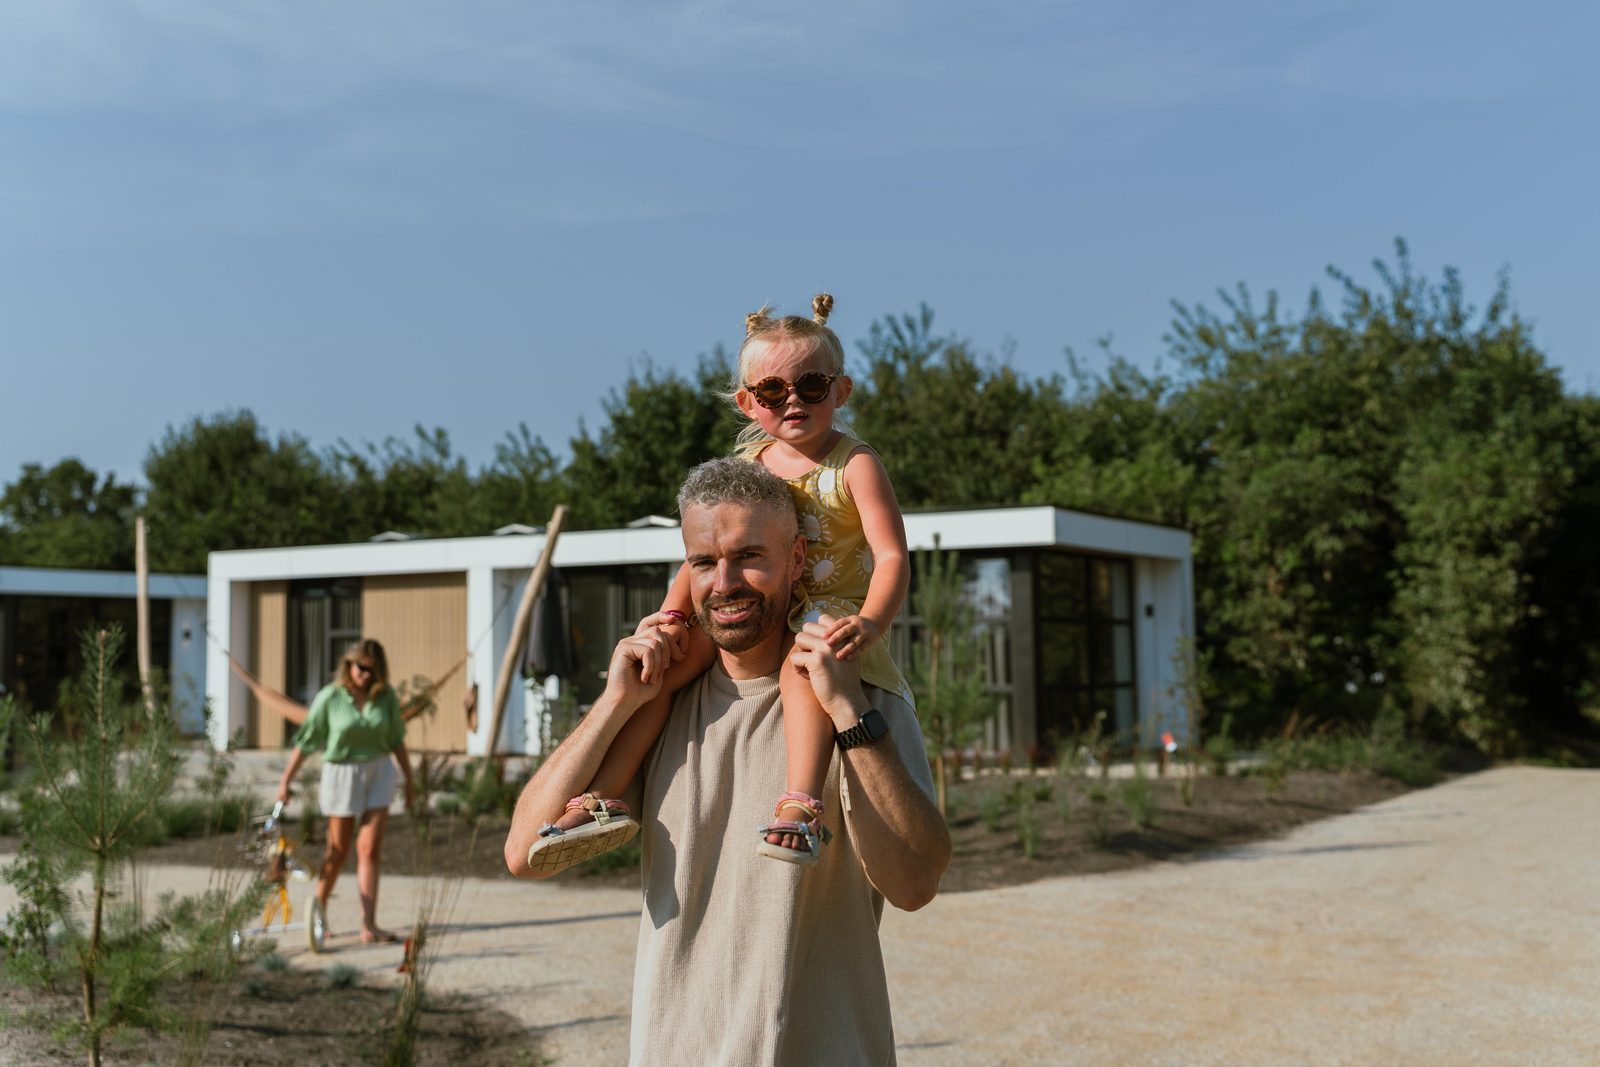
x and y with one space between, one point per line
519 629
141 579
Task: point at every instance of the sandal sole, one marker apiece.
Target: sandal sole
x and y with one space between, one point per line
560 851
798 857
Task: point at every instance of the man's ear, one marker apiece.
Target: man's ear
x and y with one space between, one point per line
797 561
843 388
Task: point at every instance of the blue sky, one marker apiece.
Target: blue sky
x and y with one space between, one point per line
354 217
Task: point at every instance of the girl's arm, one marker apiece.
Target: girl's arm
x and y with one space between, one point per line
885 531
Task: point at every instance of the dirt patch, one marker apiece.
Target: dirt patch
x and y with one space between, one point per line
280 1018
985 819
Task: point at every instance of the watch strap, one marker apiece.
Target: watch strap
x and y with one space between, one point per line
870 727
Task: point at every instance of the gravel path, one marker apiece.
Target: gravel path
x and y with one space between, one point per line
1457 925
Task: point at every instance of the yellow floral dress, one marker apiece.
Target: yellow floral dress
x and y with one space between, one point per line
838 566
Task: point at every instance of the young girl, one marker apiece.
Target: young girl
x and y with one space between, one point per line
790 383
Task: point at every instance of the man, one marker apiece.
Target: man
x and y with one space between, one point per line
743 960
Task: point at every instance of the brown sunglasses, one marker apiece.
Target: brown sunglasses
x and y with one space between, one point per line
812 388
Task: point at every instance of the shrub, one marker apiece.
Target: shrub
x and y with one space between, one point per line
341 976
991 808
482 788
1027 831
1099 814
1138 795
1219 749
201 816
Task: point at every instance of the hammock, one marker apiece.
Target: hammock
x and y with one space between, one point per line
295 712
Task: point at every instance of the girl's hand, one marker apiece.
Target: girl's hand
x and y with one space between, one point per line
411 794
283 792
851 634
676 631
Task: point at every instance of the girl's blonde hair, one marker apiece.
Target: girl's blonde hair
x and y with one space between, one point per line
760 326
372 651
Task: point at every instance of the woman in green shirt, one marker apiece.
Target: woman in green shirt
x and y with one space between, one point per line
357 725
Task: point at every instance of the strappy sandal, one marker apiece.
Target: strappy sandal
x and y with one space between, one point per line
558 849
815 834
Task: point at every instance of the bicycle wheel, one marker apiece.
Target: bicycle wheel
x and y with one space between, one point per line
316 924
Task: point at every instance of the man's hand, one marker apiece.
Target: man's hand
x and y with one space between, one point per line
677 631
837 682
638 664
851 634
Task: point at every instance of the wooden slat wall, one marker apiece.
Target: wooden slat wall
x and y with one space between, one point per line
422 621
269 658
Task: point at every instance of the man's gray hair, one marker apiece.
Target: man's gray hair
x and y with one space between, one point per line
735 481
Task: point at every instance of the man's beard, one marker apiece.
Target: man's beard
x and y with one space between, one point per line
764 618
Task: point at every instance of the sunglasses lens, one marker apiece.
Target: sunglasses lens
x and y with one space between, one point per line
813 387
770 392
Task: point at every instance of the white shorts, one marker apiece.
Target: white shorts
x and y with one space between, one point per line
357 788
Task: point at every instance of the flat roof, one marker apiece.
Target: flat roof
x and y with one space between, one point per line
63 581
969 530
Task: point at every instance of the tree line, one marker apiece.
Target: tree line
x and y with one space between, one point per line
1395 504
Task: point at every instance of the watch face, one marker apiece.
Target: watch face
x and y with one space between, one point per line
873 723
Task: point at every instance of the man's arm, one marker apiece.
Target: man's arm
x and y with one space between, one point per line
572 766
901 837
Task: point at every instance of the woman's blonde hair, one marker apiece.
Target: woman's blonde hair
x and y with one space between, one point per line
760 327
372 651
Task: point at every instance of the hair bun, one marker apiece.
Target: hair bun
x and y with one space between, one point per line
756 320
821 308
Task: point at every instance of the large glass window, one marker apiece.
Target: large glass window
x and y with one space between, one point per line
44 645
1085 650
324 619
604 605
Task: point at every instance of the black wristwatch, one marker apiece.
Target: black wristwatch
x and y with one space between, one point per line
869 729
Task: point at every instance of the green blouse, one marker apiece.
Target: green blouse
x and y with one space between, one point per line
348 734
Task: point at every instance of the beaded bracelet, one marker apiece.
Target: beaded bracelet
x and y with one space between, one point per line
676 616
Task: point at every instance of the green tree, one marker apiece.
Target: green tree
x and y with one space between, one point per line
413 486
92 800
97 801
523 484
658 426
67 516
1394 506
953 429
1483 480
222 483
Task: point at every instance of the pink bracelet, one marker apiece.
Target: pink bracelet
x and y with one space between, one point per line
676 616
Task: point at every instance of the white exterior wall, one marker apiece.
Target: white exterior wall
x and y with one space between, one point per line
493 566
497 567
1163 625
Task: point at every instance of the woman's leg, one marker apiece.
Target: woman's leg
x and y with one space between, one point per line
369 854
638 735
807 741
341 828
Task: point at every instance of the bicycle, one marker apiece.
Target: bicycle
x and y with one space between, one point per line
272 844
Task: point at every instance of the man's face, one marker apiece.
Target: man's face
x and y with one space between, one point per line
743 562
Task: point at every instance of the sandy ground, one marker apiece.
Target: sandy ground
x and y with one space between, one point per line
1457 925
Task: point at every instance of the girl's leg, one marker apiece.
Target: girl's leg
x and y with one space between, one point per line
341 828
638 735
808 743
369 853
